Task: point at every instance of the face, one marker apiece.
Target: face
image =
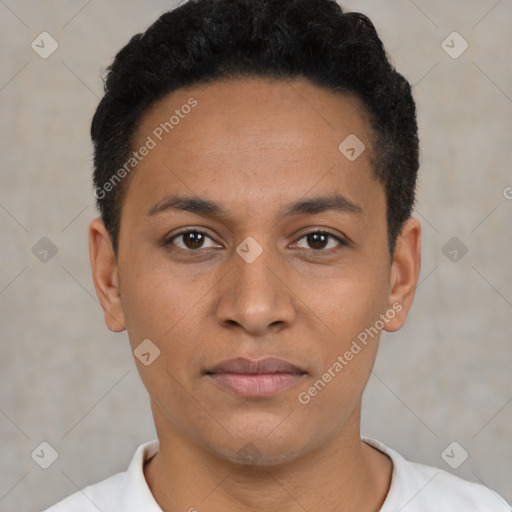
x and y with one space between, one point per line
253 255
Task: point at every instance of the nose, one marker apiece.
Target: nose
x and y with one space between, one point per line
255 296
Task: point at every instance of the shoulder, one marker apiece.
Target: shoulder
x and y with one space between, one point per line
98 496
122 492
417 487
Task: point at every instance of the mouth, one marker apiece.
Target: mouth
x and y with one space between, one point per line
255 378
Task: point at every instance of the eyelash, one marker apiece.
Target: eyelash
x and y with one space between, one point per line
319 231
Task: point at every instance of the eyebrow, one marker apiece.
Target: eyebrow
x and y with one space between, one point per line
206 207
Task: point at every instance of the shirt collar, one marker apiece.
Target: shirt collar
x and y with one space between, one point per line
136 493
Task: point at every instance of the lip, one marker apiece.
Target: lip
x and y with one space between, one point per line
255 378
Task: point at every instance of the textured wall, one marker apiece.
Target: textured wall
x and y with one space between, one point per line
66 380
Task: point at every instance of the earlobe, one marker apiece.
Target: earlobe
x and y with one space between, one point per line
405 270
105 275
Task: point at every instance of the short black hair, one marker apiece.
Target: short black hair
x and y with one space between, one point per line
203 41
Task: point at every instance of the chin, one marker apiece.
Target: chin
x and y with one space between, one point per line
261 453
264 443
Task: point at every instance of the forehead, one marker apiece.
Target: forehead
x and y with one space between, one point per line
251 134
292 111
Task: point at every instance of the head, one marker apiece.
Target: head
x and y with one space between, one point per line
255 170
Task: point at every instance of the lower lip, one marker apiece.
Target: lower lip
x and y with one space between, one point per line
256 385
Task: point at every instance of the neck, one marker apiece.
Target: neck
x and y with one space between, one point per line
342 475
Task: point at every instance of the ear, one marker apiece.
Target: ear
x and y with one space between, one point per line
405 271
105 275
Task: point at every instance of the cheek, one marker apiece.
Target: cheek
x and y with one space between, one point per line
165 308
159 307
347 304
155 302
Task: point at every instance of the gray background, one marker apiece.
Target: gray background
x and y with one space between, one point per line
67 380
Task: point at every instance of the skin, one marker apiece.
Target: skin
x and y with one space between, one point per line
254 146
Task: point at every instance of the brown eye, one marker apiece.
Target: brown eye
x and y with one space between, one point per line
320 240
193 240
190 240
317 240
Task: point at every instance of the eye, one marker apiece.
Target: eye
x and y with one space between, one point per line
320 240
191 240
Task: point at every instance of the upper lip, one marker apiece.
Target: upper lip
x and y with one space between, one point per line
244 365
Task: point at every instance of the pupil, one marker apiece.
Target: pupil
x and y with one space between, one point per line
193 240
317 240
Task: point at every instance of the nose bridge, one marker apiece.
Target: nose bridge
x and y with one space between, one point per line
255 297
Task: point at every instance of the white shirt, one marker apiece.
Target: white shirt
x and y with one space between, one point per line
414 488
